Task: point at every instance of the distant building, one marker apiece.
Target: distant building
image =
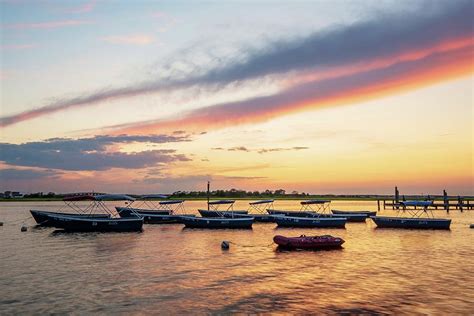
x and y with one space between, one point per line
11 195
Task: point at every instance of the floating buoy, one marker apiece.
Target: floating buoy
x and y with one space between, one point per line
471 226
225 245
1 223
24 228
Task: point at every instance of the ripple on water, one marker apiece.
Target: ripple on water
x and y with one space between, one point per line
169 269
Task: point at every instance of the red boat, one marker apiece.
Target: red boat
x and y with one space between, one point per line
309 242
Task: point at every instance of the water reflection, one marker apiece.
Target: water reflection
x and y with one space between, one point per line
175 271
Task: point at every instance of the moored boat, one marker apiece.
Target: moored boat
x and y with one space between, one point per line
134 212
287 213
309 222
309 242
416 219
321 209
230 221
366 213
162 212
217 222
406 222
206 213
257 210
214 211
88 224
90 221
42 218
146 204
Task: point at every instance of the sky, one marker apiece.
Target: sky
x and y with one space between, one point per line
341 97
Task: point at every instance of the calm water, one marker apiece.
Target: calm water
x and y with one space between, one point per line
168 269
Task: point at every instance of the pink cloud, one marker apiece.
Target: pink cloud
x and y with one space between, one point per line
17 46
129 39
84 8
45 25
159 14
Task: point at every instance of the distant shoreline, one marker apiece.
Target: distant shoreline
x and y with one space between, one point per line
300 198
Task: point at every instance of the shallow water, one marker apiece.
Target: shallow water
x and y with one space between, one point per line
169 270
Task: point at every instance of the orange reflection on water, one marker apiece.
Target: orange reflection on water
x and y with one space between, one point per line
170 270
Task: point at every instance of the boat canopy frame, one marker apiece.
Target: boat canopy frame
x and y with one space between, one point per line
149 201
97 203
173 206
214 205
316 206
260 206
416 212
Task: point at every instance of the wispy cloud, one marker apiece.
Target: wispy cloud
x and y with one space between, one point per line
83 8
92 153
46 25
239 148
17 46
269 150
129 39
261 150
375 45
25 174
336 91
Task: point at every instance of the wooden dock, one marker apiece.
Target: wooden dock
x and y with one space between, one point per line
452 205
444 202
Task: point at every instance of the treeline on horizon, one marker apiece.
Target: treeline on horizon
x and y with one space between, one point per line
236 193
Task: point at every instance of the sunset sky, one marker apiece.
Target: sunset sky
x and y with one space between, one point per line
315 96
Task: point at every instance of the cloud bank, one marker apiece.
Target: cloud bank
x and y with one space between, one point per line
357 87
90 153
387 40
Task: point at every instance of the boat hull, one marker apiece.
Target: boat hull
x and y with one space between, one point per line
206 213
43 218
309 222
349 217
151 218
287 213
309 242
132 212
411 223
366 213
75 224
217 223
262 218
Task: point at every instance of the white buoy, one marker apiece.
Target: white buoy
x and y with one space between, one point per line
225 245
24 228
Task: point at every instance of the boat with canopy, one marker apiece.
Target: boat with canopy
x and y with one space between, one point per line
218 219
214 211
71 207
418 218
257 210
158 212
317 208
352 212
145 204
91 223
309 222
217 222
